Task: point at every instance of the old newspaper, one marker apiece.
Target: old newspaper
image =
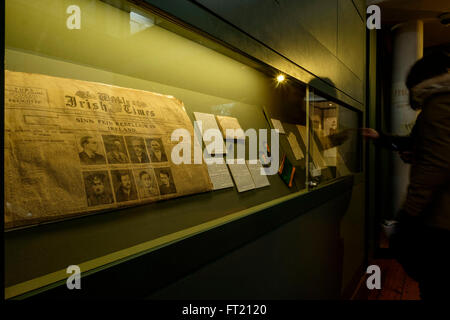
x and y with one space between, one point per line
74 147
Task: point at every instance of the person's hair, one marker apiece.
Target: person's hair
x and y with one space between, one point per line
120 174
92 177
155 140
166 172
142 173
136 139
84 140
431 65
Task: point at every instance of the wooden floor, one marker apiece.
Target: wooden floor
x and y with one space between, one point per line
395 284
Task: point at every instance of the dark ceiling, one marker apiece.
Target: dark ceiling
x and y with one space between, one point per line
397 11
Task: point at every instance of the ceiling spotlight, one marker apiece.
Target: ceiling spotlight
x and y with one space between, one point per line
281 78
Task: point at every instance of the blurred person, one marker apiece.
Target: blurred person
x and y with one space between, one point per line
422 241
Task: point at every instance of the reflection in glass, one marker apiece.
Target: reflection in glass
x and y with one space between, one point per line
334 142
139 22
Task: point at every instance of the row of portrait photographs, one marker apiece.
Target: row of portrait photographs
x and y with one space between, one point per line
127 185
140 150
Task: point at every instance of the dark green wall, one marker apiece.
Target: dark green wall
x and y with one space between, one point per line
325 37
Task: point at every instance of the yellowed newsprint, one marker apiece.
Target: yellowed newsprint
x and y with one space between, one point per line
74 147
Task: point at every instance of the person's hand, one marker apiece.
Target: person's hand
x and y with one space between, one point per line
406 156
338 138
369 133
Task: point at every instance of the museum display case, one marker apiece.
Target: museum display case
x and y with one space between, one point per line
334 141
128 55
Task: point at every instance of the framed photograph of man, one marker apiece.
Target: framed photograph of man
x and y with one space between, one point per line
146 183
90 150
124 186
116 152
156 150
136 149
98 188
165 181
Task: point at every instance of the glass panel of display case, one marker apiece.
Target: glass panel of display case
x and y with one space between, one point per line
286 116
117 45
334 143
121 44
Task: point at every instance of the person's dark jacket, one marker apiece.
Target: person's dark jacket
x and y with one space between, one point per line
428 197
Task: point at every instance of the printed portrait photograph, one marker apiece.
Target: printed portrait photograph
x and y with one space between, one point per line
116 152
156 150
98 188
137 150
124 186
146 182
90 150
165 180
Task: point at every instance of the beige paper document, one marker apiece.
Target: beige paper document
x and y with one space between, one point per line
278 125
74 147
259 179
241 176
330 157
298 153
208 122
220 176
230 123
